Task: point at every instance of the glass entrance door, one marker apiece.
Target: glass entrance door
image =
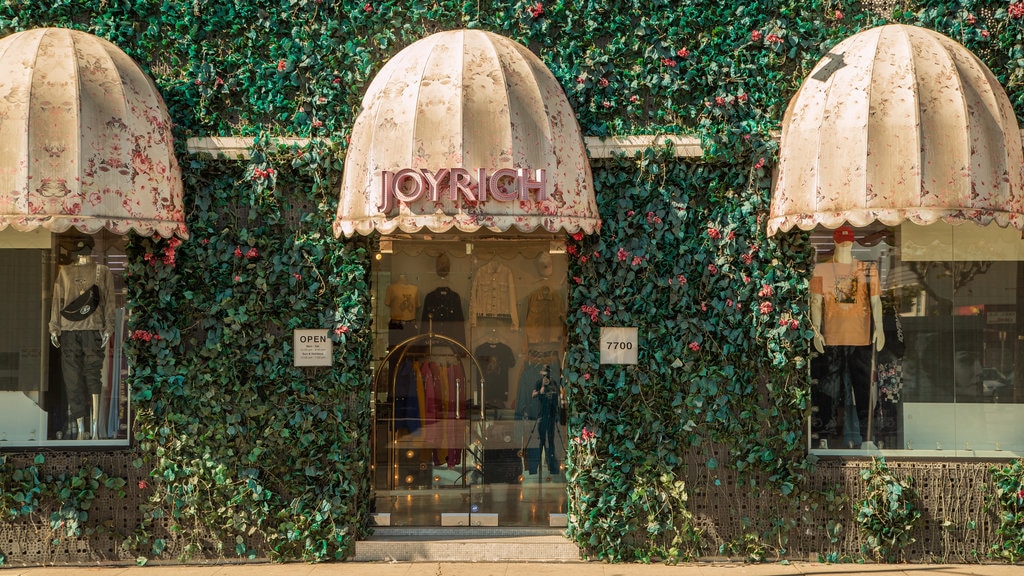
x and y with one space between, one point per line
469 414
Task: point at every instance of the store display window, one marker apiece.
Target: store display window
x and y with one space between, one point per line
468 398
61 361
918 337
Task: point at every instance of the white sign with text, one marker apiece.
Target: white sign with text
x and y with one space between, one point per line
618 345
313 348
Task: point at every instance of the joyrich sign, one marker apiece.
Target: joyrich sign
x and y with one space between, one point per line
502 185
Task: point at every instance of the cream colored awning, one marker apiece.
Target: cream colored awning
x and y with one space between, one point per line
898 123
85 139
468 130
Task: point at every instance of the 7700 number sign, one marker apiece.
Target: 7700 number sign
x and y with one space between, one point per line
618 345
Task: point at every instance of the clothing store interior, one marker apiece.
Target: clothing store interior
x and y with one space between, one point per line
916 341
469 407
61 361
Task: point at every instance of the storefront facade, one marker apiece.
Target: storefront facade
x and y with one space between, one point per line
504 329
473 179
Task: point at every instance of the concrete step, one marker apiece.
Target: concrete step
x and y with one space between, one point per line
466 544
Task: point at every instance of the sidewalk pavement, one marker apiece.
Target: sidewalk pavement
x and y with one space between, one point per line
523 569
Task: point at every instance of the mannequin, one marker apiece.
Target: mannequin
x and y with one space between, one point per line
402 298
544 265
548 392
81 321
846 317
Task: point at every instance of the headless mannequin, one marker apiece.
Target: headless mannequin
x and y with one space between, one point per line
84 258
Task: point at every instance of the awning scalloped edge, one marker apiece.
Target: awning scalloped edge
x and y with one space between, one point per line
894 217
93 224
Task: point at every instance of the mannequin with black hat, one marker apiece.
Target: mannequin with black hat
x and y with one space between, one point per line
846 317
81 321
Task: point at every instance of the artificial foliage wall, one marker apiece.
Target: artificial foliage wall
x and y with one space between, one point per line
247 450
239 454
722 362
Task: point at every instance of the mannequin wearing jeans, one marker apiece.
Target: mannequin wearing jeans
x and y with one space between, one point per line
846 316
548 392
82 337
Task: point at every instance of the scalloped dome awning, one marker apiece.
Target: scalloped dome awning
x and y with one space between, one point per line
469 130
898 123
85 139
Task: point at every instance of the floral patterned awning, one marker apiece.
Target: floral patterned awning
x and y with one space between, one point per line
85 139
466 129
898 123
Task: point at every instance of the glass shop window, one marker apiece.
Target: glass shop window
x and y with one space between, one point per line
918 334
61 332
490 314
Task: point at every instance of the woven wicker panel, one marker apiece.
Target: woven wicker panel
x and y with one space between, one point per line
952 498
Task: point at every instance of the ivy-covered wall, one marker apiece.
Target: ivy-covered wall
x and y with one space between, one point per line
238 454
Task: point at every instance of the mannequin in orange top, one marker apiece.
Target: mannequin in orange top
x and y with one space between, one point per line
846 316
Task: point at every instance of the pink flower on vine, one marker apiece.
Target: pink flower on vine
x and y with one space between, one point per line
634 98
577 279
623 255
586 376
774 39
238 278
606 104
766 291
747 258
682 52
296 275
367 7
238 252
838 15
668 62
793 324
1016 10
537 10
694 346
636 261
714 233
577 236
143 485
728 302
760 164
681 279
341 330
252 253
712 269
603 82
719 101
653 218
590 311
742 97
755 35
971 19
282 64
766 307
